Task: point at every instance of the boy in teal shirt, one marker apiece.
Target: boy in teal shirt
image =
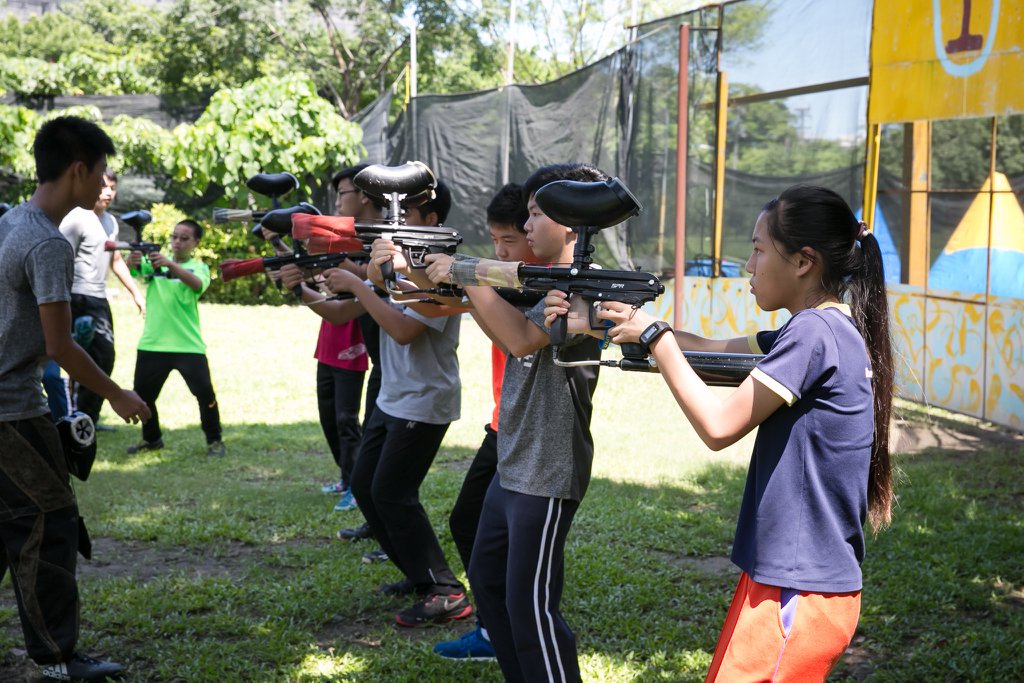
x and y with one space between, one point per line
171 339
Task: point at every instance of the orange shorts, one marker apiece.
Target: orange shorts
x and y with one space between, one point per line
775 634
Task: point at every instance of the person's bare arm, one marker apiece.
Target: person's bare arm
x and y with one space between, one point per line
336 312
191 280
506 326
486 330
398 326
120 269
56 321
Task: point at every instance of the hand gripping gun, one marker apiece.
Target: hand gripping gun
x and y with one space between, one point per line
408 185
137 220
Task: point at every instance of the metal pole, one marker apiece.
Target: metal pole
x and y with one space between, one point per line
682 117
413 151
510 65
506 122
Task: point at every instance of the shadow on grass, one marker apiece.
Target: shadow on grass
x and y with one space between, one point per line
227 569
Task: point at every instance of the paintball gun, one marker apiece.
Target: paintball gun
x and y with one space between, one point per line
275 186
278 221
329 253
137 220
588 208
408 185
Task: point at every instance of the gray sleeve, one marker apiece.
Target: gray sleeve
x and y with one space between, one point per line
433 323
49 267
72 231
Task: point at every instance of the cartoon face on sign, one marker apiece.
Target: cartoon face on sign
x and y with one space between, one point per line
965 42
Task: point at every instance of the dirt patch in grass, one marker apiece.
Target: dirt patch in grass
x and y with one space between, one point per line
146 561
856 662
916 433
358 630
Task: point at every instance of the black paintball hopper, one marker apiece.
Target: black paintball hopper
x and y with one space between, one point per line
596 205
280 220
137 219
272 184
413 180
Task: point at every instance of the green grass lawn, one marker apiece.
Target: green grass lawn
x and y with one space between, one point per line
227 569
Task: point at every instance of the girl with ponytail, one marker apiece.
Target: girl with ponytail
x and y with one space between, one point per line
822 397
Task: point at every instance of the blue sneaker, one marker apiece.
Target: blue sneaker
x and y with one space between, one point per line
471 647
335 487
347 502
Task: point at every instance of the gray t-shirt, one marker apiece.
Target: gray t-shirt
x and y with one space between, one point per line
88 234
544 442
36 267
420 381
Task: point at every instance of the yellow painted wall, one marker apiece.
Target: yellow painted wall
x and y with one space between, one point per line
925 66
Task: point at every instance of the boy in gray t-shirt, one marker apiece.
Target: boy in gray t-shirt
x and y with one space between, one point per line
39 523
545 452
88 231
419 398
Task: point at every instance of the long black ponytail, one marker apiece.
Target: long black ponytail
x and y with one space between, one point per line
851 260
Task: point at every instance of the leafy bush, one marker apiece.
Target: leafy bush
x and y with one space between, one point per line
273 124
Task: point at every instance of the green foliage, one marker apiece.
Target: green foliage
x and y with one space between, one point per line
269 124
91 47
142 146
17 131
210 44
48 36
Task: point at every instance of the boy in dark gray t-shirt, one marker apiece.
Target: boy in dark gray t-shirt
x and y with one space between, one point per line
39 522
545 452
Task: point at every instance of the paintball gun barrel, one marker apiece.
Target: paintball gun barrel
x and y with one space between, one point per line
235 268
221 216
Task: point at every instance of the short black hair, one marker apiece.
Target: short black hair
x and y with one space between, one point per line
197 229
441 203
347 172
508 207
351 172
110 175
584 173
64 140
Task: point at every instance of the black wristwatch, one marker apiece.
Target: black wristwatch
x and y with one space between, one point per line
653 331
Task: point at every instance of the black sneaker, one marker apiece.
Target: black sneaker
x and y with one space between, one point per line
375 556
82 668
403 587
360 532
435 609
145 446
216 449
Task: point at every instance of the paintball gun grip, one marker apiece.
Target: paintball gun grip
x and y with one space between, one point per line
387 271
630 350
559 330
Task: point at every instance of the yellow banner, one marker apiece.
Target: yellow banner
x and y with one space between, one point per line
943 59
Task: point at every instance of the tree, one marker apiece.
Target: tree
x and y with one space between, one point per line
269 124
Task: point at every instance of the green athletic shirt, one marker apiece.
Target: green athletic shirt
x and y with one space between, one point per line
172 311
